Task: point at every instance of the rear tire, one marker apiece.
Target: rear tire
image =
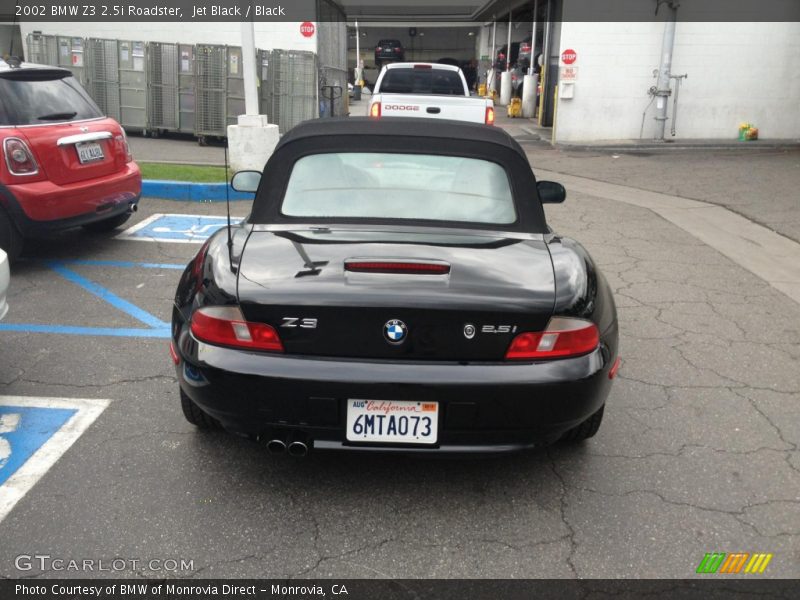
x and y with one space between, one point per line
585 430
196 416
107 224
10 238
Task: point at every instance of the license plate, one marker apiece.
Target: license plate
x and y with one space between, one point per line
392 421
89 152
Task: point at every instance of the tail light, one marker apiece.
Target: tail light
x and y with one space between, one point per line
19 158
378 49
562 338
128 155
398 50
489 115
407 268
225 326
375 110
428 67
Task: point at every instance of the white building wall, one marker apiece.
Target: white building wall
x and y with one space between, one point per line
737 72
268 35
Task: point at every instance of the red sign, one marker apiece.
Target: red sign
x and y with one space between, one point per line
307 29
569 56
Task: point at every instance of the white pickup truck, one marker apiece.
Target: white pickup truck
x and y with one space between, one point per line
433 91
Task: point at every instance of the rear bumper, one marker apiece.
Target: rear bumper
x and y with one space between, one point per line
44 206
486 407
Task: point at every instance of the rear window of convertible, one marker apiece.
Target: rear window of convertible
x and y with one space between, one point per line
399 186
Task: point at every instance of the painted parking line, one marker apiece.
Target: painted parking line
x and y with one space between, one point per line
124 264
156 328
34 434
176 229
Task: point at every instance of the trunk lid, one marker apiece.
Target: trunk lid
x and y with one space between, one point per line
72 152
297 281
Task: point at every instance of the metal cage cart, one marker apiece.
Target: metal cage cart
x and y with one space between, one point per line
162 88
288 86
42 49
186 89
132 85
103 75
71 56
234 86
210 72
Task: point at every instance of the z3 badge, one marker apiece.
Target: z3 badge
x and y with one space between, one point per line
297 322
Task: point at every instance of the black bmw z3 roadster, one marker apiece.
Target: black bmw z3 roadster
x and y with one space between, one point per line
395 287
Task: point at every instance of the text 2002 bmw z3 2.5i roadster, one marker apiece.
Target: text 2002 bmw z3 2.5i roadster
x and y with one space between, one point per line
395 288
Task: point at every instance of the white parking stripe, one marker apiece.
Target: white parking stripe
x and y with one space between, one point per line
26 476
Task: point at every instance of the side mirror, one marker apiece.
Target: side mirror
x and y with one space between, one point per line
246 181
551 192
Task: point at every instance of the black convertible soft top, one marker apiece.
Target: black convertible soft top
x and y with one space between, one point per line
407 127
400 135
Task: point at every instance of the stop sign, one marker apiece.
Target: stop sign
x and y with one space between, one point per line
569 56
307 29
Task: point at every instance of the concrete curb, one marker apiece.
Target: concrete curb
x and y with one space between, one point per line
191 192
701 145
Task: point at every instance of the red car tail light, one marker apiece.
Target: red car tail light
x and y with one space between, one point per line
19 158
489 115
398 50
562 338
408 268
375 110
128 155
423 66
378 49
225 326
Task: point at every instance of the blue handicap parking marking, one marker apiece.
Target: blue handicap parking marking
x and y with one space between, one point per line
154 327
23 430
35 433
176 228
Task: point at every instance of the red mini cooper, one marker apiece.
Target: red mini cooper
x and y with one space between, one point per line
62 163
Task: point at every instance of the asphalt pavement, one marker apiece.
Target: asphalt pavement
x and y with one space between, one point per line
698 451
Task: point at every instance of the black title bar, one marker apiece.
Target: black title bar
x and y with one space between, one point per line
186 11
711 588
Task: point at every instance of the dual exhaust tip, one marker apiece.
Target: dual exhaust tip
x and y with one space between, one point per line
295 448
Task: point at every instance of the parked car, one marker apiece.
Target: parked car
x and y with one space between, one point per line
430 90
64 164
389 51
377 299
5 277
520 53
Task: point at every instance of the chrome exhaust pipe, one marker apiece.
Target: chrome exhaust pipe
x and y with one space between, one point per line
297 448
276 446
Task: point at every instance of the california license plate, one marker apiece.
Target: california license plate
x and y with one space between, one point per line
392 421
89 152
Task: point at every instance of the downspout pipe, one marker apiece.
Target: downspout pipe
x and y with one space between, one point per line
663 90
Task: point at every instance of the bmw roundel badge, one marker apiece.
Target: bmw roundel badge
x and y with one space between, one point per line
395 331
